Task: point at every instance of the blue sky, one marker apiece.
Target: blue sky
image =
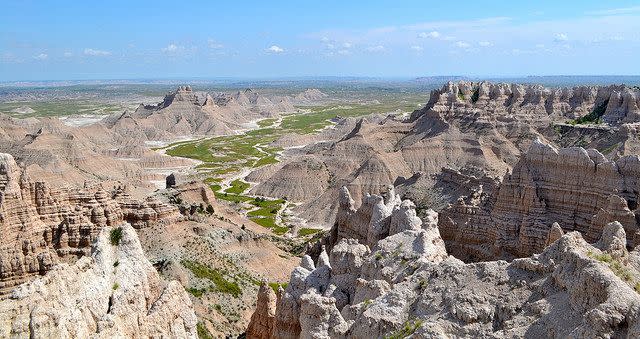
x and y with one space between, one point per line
59 40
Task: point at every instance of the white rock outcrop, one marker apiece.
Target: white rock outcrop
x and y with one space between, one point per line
115 292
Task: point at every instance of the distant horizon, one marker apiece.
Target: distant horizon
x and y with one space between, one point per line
321 77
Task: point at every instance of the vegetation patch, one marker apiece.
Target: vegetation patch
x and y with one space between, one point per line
267 122
274 286
203 332
595 117
205 272
408 328
115 236
615 265
476 95
196 292
308 231
237 187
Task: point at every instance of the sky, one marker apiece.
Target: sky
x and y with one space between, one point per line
77 40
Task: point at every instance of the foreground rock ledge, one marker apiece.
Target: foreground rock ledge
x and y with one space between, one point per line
115 292
404 284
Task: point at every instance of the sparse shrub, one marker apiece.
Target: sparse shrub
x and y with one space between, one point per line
196 292
115 286
115 236
408 328
205 272
203 332
379 256
476 95
210 209
116 263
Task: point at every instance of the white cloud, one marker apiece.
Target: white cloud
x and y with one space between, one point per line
540 46
214 45
462 44
416 48
560 37
330 46
347 45
324 39
432 35
67 54
344 52
378 48
275 49
616 11
95 52
485 43
171 48
41 56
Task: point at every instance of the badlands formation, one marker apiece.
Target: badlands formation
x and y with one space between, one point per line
63 189
496 210
475 128
545 250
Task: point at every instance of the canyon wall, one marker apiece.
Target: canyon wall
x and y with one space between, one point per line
41 226
578 189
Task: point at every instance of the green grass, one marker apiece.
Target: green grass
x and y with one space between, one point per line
615 265
267 122
115 235
271 159
196 292
594 117
60 108
308 231
274 286
408 328
263 212
264 221
237 187
203 333
205 272
232 197
610 148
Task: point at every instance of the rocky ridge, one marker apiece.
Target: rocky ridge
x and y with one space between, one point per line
42 226
405 284
115 292
578 189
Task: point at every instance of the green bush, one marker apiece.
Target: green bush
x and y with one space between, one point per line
203 333
205 272
408 328
115 236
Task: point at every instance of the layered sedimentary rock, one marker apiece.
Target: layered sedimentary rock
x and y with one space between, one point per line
41 225
495 101
115 292
579 189
405 284
463 125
